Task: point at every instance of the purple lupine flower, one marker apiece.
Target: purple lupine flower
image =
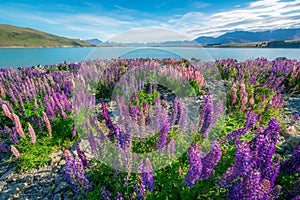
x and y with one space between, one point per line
49 109
175 112
133 111
123 139
247 188
82 157
14 135
40 123
140 190
207 115
251 120
241 166
150 88
91 140
105 194
119 196
210 160
147 175
292 164
235 135
6 129
271 172
74 174
296 117
183 119
3 148
296 197
275 192
163 134
219 110
195 169
264 144
171 146
254 173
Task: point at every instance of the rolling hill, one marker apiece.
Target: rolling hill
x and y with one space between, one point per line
13 36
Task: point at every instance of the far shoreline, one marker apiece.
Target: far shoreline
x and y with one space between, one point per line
223 46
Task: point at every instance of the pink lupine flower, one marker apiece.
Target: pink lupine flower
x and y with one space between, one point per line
180 171
234 95
244 102
18 125
74 131
251 101
48 125
67 153
243 90
31 133
260 129
263 97
6 111
15 151
2 91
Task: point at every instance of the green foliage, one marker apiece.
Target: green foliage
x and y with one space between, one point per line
38 154
144 96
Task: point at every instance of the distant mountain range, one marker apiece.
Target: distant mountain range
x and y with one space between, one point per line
95 41
285 38
13 36
249 37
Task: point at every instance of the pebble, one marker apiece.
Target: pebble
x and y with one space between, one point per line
56 197
61 187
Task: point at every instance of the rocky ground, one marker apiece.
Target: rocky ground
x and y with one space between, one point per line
47 182
290 133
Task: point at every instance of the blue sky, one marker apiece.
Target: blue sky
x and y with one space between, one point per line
107 19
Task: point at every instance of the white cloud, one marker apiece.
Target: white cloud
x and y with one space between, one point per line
258 16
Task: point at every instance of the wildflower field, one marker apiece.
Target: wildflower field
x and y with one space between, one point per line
156 128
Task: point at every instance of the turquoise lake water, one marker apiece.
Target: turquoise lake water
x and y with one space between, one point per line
27 57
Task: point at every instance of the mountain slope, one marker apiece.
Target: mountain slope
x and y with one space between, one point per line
11 36
248 37
95 42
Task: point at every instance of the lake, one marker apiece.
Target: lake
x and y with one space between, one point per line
27 57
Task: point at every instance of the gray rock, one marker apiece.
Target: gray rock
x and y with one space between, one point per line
7 175
14 189
56 197
62 163
58 180
287 153
61 187
66 194
2 185
291 143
